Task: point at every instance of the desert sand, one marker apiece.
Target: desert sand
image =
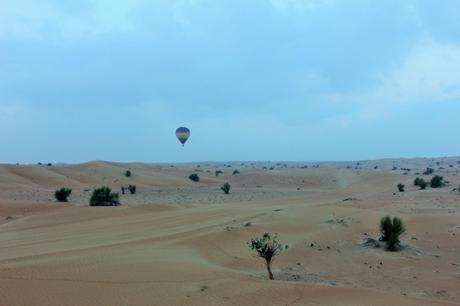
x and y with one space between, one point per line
178 242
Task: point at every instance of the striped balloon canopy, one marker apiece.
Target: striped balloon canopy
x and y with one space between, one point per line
183 134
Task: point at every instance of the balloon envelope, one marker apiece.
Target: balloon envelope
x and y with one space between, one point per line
183 134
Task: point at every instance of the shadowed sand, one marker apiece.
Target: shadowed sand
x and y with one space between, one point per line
177 242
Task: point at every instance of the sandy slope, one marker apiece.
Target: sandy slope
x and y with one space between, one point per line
177 242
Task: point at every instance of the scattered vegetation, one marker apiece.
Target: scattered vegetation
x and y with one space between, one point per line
132 189
235 172
437 181
420 182
128 173
226 188
428 171
62 195
401 187
391 230
104 196
266 247
194 177
218 172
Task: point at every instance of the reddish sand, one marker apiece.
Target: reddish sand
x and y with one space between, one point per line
177 242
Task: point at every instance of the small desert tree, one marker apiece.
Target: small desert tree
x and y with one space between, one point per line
437 181
62 194
401 187
235 172
391 229
128 173
225 188
218 172
104 197
266 247
194 177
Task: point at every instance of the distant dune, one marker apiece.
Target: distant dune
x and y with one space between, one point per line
179 242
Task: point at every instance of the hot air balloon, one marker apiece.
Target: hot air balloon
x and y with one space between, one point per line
183 134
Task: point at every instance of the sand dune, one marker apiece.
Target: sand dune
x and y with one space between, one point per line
177 242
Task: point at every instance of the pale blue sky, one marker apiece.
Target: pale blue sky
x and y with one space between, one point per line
253 80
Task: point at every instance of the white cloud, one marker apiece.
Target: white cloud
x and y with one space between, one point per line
428 74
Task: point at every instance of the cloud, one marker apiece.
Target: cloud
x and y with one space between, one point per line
428 74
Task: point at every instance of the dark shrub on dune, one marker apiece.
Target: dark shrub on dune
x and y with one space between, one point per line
236 172
391 230
428 171
104 197
218 172
437 181
194 177
128 173
62 194
401 187
226 188
420 182
132 189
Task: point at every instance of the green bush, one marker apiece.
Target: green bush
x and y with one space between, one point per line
226 188
194 177
266 247
437 181
391 230
236 172
128 173
401 187
62 194
218 172
423 184
420 182
132 189
104 197
428 171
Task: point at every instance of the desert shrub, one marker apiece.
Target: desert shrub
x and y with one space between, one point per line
391 230
420 182
235 172
428 171
194 177
128 173
132 189
401 187
437 181
218 172
62 194
104 196
266 247
123 188
423 184
226 188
